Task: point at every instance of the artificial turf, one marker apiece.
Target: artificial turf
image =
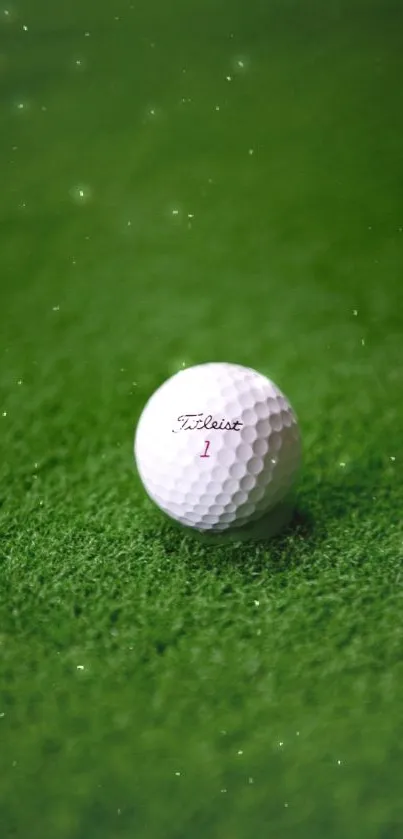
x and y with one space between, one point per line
155 212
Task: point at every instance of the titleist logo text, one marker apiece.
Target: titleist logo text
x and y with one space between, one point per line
197 422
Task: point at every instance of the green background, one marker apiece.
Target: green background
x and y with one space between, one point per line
183 182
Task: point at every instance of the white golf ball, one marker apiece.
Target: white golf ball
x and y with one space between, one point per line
217 446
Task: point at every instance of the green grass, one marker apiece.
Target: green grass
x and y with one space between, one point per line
151 686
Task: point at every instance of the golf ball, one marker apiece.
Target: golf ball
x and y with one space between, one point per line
217 446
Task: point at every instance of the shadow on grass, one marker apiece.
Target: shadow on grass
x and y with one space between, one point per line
326 503
252 550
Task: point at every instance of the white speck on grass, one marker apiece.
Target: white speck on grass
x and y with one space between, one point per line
55 308
355 312
25 28
392 458
80 193
363 342
239 752
4 414
342 464
2 714
178 774
80 667
251 780
257 602
217 107
251 151
229 78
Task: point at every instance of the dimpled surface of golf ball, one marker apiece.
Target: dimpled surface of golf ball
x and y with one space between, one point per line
217 446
